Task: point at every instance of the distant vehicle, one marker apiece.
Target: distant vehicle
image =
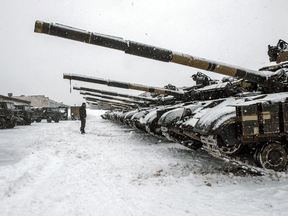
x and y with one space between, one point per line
75 113
37 114
51 113
64 112
7 115
25 114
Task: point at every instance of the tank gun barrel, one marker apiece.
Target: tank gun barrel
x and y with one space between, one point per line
95 99
113 98
148 51
153 100
124 85
108 105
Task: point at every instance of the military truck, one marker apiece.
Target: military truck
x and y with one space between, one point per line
37 114
51 113
7 115
25 114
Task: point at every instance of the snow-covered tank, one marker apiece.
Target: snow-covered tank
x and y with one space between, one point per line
248 112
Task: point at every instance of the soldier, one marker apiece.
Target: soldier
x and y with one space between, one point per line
82 113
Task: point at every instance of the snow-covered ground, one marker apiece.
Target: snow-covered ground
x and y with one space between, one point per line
51 169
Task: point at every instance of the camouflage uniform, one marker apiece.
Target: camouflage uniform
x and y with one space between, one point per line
82 112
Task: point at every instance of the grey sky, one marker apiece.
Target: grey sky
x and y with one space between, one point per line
234 32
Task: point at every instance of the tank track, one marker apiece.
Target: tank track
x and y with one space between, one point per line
148 129
244 161
209 144
188 143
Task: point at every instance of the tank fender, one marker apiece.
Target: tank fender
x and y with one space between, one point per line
228 133
129 114
178 113
157 113
150 113
170 116
210 123
197 114
139 115
150 117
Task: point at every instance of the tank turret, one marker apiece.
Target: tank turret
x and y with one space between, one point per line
278 53
198 92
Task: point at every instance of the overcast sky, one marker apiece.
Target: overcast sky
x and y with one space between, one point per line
234 32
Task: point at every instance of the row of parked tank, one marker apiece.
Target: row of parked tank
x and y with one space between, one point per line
246 115
12 114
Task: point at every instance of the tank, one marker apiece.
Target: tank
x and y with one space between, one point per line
113 112
144 119
130 119
243 117
125 116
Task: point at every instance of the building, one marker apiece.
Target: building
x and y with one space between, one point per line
40 101
14 100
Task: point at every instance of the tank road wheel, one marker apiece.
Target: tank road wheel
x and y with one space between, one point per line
273 156
256 155
231 149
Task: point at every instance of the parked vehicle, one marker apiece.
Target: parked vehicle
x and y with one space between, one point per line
37 114
25 114
51 113
75 112
7 115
